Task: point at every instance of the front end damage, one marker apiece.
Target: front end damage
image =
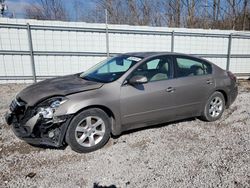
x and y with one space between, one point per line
38 125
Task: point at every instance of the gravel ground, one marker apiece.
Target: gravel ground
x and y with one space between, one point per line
190 153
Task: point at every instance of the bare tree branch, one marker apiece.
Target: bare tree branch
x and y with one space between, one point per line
46 10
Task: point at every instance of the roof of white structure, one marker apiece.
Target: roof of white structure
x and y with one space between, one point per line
120 27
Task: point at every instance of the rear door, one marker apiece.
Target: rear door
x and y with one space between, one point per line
193 85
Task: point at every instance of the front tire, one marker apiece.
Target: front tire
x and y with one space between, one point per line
214 107
88 131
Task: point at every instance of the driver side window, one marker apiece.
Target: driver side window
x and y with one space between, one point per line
155 69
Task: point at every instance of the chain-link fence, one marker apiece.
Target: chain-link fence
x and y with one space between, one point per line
34 50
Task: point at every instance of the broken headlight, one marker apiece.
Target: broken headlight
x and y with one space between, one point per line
47 108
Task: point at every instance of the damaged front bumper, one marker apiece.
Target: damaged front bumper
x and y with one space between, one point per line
38 130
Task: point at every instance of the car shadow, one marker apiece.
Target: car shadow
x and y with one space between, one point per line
157 126
49 147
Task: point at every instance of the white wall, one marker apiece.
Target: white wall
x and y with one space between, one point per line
19 65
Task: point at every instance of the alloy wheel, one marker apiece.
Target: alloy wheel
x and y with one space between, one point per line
90 131
215 107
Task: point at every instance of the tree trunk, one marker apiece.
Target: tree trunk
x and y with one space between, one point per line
178 13
214 9
244 15
234 14
218 10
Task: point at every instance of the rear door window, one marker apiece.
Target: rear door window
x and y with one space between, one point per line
186 66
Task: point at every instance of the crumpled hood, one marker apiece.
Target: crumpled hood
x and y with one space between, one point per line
59 86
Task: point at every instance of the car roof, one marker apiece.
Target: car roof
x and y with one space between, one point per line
149 54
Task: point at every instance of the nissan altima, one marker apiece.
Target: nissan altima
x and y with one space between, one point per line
125 92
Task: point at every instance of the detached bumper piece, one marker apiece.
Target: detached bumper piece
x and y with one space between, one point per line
35 129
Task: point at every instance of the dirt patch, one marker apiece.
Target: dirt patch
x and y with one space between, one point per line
140 144
20 147
245 85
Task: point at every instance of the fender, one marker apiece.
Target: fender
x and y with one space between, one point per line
92 99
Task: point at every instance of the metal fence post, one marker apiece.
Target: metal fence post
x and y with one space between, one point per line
107 32
229 51
172 41
32 60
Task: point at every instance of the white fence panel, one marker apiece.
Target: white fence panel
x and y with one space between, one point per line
63 65
201 45
13 39
121 43
240 46
240 65
61 48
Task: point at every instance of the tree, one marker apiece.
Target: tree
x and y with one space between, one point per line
172 10
46 10
216 14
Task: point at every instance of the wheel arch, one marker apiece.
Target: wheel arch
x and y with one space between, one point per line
224 95
108 111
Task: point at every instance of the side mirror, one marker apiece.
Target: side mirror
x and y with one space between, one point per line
138 79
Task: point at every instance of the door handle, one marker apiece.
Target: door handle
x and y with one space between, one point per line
209 82
170 89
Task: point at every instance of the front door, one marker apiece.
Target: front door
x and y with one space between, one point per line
150 103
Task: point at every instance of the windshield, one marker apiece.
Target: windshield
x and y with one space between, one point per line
111 69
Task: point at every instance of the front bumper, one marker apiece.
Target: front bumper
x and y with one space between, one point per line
52 135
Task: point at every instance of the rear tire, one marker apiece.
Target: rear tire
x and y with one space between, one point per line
214 107
88 131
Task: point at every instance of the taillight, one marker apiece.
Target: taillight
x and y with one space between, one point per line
231 75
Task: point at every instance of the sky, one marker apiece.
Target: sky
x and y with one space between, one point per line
17 7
